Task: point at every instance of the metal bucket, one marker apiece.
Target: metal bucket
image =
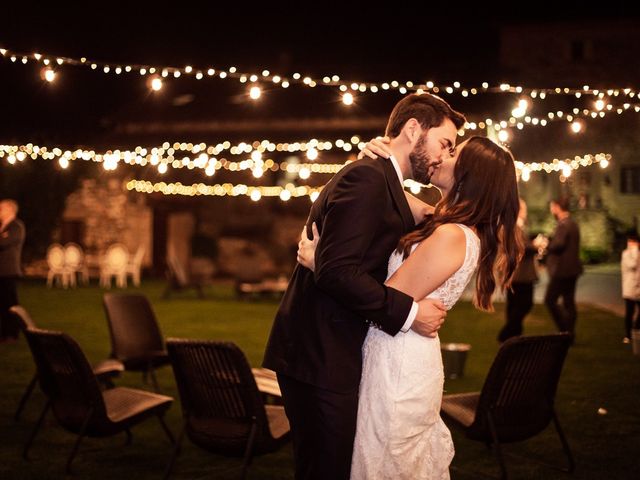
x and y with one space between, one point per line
454 356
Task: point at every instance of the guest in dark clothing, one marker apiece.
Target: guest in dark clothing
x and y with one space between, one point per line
564 267
11 239
520 295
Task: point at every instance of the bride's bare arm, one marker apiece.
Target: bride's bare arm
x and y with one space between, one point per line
419 209
432 263
376 147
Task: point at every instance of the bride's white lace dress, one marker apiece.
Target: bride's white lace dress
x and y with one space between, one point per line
400 434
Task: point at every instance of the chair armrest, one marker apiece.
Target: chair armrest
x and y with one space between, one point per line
267 381
108 368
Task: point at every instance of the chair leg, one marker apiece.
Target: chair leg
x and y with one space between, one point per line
76 445
166 429
27 446
249 450
129 437
154 380
25 397
176 450
565 445
496 446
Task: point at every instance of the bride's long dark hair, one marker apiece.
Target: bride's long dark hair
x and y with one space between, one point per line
485 196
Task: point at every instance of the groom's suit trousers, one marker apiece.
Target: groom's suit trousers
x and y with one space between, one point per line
322 435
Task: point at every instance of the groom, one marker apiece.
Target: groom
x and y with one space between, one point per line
316 339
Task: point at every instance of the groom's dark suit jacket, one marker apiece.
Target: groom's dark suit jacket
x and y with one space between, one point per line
322 321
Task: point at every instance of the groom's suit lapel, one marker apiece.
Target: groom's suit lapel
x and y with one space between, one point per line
397 193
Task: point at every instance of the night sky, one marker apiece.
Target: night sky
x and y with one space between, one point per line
407 42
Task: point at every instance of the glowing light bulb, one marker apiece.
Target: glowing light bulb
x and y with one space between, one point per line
576 127
156 84
304 173
49 75
503 136
256 195
347 99
312 154
285 195
255 92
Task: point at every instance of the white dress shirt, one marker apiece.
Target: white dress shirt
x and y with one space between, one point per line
414 308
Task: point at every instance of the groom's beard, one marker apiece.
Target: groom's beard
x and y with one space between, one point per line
422 165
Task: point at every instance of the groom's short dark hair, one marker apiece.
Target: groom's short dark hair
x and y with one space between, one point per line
429 110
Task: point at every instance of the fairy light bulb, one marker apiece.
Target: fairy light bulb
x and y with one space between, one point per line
347 98
255 92
48 74
156 84
576 127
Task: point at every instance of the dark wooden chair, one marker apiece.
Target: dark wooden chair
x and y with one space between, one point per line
136 340
517 398
105 370
75 397
222 407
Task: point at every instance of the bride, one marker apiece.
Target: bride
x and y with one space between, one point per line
400 434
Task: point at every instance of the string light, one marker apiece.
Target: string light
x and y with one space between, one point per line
201 155
226 189
503 136
551 117
49 74
289 191
255 92
110 161
576 126
307 81
565 166
156 84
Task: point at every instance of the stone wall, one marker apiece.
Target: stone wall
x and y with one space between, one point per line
111 215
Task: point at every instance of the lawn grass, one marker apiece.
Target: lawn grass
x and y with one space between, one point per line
600 372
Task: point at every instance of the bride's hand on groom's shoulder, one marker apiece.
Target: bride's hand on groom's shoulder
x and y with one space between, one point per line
376 147
307 248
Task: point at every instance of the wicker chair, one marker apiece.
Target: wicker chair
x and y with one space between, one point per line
222 408
104 371
76 400
516 401
136 340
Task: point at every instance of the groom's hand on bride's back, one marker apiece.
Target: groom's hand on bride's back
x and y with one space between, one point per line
430 317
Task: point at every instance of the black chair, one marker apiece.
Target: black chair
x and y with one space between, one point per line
105 370
74 395
222 408
517 398
136 340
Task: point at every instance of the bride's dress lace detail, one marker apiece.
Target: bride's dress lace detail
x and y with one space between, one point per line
400 434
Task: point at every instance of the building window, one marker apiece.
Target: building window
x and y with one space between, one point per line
630 179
